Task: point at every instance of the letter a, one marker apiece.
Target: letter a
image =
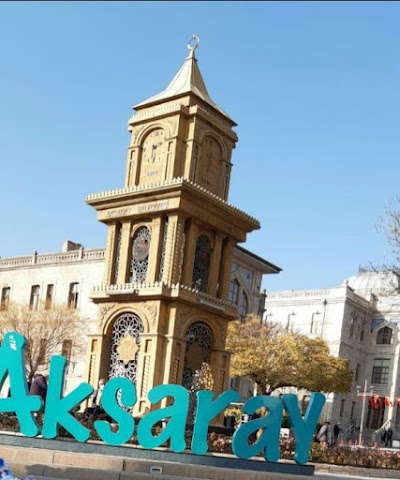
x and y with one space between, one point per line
177 413
12 361
269 440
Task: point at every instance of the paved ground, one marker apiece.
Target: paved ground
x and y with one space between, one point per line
332 476
325 476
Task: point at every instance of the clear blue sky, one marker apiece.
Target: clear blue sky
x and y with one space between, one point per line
314 88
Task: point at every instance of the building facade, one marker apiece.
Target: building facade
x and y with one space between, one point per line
359 320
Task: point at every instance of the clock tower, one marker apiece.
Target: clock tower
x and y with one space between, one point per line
163 303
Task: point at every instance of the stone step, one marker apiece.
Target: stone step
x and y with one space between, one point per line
78 465
66 472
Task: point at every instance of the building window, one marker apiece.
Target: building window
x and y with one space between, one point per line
353 406
290 322
384 336
362 331
357 374
201 265
73 295
233 291
66 351
243 307
140 255
5 298
49 296
380 371
352 322
34 301
342 403
315 323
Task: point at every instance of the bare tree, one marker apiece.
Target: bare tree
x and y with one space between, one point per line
47 331
388 225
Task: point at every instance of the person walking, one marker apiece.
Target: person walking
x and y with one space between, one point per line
97 408
39 387
324 434
389 437
336 431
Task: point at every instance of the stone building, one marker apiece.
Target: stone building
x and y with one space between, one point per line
359 320
158 298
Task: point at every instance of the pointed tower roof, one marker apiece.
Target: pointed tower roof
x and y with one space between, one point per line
187 80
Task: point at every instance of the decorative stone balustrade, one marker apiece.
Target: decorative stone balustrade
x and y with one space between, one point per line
51 258
160 288
155 112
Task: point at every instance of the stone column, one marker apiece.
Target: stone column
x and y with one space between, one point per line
151 366
219 363
190 248
172 261
155 250
226 266
124 260
97 359
109 254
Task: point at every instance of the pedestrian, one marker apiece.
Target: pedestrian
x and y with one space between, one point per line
324 434
336 431
389 436
97 408
39 387
383 436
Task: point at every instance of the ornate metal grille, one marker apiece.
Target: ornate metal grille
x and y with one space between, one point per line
140 255
198 335
128 324
201 266
117 252
163 248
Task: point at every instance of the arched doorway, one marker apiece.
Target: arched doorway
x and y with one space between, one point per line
197 355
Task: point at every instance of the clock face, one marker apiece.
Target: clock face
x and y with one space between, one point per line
153 154
154 146
210 161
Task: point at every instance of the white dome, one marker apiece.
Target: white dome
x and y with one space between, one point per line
373 282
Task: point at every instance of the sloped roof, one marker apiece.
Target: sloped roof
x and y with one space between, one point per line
187 80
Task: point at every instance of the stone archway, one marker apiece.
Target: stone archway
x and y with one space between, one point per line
124 347
199 341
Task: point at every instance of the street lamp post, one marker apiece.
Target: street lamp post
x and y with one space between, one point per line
364 395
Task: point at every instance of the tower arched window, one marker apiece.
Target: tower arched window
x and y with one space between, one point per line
201 265
234 291
384 336
140 255
243 307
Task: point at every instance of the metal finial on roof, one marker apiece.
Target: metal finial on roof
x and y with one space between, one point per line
192 45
